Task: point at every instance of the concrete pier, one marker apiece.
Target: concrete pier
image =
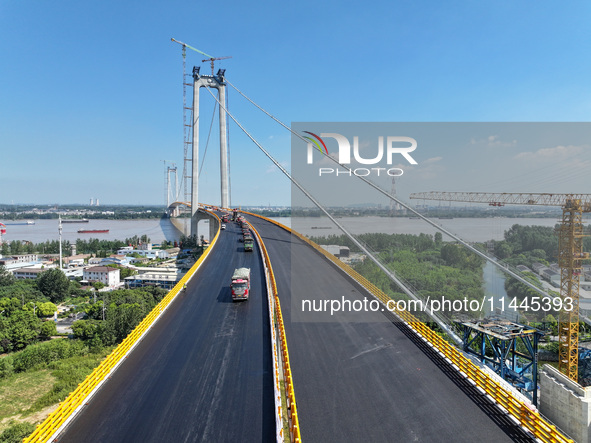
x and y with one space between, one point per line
566 403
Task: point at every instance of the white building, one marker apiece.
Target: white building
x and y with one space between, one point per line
27 273
144 251
106 275
19 260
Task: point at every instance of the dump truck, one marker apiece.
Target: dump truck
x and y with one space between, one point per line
248 243
240 284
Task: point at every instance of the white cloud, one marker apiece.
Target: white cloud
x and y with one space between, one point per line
493 141
551 154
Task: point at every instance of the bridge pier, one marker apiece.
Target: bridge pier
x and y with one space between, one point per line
213 225
566 403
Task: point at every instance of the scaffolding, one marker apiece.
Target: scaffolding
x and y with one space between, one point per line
510 349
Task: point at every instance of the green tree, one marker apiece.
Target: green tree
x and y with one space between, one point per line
24 327
9 305
46 309
16 433
54 285
48 328
98 285
16 247
438 238
86 329
6 278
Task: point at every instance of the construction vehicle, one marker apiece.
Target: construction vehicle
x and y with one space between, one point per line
240 284
248 243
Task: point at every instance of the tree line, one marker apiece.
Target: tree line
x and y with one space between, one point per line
432 268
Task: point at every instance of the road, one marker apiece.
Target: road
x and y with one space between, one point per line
362 377
204 372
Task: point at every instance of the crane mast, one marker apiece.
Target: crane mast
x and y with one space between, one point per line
570 255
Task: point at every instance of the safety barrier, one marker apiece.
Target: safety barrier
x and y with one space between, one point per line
523 413
56 422
276 319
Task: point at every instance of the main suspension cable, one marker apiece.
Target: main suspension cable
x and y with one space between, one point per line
501 266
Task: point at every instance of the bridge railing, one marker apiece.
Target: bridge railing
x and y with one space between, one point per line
57 421
522 412
276 319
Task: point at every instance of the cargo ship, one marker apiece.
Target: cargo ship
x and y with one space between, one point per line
75 220
28 222
93 231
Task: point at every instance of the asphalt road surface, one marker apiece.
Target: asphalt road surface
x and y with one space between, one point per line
204 372
363 377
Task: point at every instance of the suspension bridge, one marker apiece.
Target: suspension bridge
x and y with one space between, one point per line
202 368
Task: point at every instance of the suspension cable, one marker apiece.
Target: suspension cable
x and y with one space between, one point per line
444 326
215 106
501 266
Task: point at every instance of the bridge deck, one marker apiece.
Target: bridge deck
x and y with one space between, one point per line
204 373
360 379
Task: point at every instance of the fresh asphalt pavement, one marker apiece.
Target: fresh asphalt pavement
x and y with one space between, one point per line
204 371
362 377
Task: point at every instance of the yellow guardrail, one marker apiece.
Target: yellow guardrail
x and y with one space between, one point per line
292 411
66 410
525 415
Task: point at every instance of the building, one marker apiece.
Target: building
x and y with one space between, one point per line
538 268
75 260
144 250
104 274
19 259
164 280
552 276
27 273
115 260
336 250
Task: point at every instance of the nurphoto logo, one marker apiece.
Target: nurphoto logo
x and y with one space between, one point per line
395 145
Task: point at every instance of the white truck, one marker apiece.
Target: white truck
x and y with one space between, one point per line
240 284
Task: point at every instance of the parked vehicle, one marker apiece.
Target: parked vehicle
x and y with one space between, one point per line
240 284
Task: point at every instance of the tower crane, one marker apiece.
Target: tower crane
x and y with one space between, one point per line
212 59
191 47
570 255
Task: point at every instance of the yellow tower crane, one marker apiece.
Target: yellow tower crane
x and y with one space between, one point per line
570 255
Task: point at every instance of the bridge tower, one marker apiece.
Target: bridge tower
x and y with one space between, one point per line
215 82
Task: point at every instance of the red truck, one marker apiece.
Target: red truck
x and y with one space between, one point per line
240 284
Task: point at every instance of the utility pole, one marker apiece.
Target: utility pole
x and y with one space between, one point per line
60 236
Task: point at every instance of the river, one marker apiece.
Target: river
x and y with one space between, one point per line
43 230
469 229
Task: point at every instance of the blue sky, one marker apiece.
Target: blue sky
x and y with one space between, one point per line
91 94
